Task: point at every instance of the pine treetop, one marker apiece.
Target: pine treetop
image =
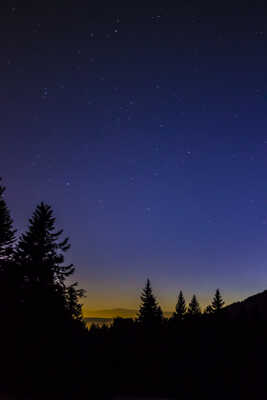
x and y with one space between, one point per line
194 307
41 250
149 310
40 257
180 308
217 302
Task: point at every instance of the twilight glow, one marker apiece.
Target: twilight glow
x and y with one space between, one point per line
145 129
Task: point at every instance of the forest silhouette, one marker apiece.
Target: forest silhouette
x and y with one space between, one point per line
48 352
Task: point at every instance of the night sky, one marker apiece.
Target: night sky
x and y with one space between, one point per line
145 129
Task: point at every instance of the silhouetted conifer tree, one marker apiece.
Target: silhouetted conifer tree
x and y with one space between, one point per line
39 256
193 307
7 233
10 284
73 295
217 302
180 308
149 312
10 281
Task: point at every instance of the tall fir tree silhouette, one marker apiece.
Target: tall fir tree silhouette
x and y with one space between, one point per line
150 312
194 307
40 257
7 233
10 284
217 302
180 308
10 280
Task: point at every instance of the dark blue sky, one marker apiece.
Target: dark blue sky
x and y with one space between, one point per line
145 129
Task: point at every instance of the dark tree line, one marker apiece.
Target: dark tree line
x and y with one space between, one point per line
150 313
190 354
47 352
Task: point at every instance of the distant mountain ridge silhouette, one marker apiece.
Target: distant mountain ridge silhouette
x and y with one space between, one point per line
116 312
112 313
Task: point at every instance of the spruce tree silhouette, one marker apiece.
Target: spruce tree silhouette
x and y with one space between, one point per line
10 284
40 255
217 302
10 279
180 308
51 325
150 312
7 233
193 307
73 296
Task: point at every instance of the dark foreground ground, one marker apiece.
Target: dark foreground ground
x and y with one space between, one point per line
201 359
142 398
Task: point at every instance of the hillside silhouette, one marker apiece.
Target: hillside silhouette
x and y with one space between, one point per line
254 306
112 313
